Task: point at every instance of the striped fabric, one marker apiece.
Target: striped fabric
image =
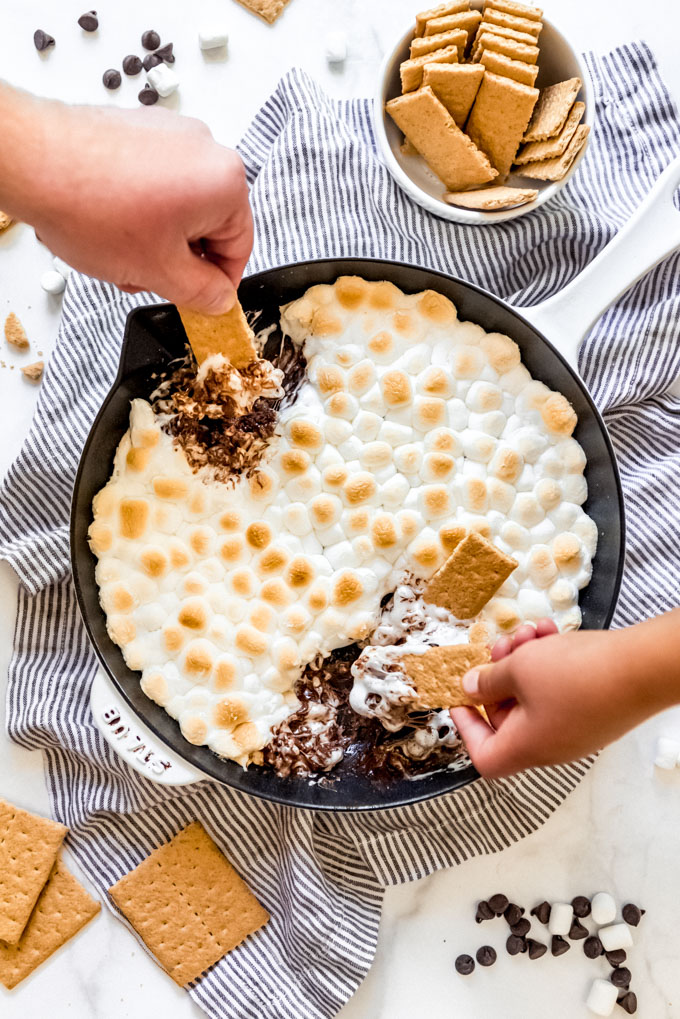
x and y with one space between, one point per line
318 189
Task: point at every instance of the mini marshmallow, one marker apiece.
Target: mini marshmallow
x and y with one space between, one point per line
615 936
211 37
163 79
62 267
336 47
667 753
561 917
603 908
52 282
602 997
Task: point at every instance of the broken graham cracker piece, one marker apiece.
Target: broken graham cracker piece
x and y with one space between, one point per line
454 7
508 47
432 130
411 71
515 9
491 199
556 169
470 577
5 221
15 334
63 908
525 74
188 904
28 848
430 43
269 10
455 86
552 110
437 674
533 152
229 335
34 371
499 118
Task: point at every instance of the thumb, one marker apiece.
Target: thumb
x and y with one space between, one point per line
200 284
490 684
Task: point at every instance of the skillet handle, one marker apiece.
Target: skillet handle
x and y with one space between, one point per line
650 235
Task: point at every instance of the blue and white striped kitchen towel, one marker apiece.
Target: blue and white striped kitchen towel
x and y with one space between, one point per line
318 188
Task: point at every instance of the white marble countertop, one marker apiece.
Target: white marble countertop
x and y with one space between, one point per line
620 830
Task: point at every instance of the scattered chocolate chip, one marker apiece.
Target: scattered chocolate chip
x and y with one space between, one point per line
616 958
132 64
581 906
515 945
151 40
537 949
499 903
621 977
484 911
558 945
632 914
593 947
577 931
628 1002
513 914
465 965
486 955
111 79
42 41
148 96
521 928
89 22
151 60
541 912
166 54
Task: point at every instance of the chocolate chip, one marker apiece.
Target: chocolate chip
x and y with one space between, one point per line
541 912
581 906
616 958
484 911
486 955
166 54
513 914
577 931
111 79
537 949
42 41
514 945
148 96
521 928
499 903
632 914
628 1002
593 947
558 945
621 977
89 22
151 40
151 60
132 64
465 965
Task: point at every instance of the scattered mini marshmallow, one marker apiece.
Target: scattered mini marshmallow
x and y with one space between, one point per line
53 282
667 753
163 79
61 266
561 917
336 47
212 37
603 908
602 997
616 936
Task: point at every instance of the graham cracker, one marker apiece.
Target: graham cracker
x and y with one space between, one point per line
508 47
556 169
411 71
188 904
63 908
533 152
34 371
491 199
468 21
508 21
516 9
432 130
470 577
28 848
499 118
437 675
5 221
227 334
455 86
525 74
269 10
454 7
429 43
505 33
15 334
552 110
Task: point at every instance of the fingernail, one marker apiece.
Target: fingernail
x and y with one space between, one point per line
471 682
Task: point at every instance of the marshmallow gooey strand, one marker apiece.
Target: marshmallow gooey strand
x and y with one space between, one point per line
409 427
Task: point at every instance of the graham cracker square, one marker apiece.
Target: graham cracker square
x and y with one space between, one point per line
429 43
555 169
28 848
516 9
188 904
411 71
470 577
63 907
438 673
454 7
505 33
229 335
491 199
532 152
497 63
499 119
508 47
269 10
552 110
467 20
496 17
455 86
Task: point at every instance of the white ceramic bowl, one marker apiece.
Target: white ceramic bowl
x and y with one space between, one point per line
558 61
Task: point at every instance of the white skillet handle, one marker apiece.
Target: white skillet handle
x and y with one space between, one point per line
650 235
